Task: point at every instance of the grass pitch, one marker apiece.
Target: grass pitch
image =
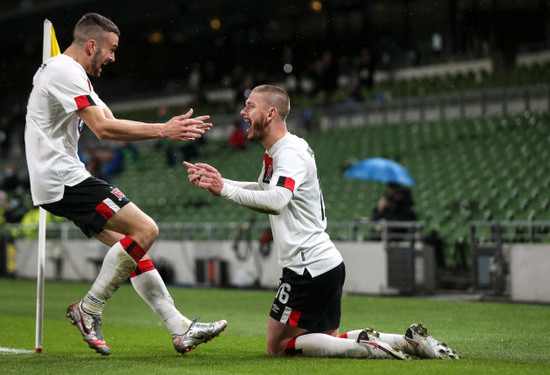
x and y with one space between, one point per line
492 338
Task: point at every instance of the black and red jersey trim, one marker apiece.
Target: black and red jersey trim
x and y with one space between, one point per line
84 101
286 182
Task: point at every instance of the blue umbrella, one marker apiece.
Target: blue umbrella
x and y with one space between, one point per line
380 169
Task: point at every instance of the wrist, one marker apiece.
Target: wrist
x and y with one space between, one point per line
226 190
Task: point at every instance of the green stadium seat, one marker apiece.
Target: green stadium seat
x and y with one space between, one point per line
477 169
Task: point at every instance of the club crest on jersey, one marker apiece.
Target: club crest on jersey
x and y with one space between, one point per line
268 164
117 193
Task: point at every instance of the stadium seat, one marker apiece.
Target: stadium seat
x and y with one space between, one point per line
479 169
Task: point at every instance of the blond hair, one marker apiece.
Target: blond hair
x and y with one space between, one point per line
275 96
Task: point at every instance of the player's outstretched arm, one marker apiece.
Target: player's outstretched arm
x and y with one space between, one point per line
270 201
179 128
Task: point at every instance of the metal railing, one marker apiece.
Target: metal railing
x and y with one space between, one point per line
217 231
487 240
509 231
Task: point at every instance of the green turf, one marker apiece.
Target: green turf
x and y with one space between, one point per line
492 338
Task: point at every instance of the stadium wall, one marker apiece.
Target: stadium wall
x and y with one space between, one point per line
220 264
530 278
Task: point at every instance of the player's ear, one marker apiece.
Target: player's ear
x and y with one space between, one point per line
91 47
272 113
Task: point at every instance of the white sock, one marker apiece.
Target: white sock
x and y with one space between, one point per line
398 341
353 335
150 286
117 266
321 345
394 340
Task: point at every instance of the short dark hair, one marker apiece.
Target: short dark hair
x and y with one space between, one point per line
92 26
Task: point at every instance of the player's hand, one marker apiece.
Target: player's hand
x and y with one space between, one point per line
205 176
192 176
185 128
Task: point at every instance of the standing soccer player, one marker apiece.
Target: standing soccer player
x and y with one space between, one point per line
62 99
305 315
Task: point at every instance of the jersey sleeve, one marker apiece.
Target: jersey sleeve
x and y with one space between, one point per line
243 184
269 201
289 170
73 90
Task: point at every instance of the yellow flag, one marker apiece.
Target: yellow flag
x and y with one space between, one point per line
54 45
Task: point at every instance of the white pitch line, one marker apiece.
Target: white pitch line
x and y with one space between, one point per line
14 351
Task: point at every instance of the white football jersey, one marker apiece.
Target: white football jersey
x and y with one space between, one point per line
60 87
299 230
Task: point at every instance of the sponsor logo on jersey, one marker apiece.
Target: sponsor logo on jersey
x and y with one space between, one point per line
117 193
268 164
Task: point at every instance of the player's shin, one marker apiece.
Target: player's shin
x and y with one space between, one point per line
321 345
395 341
117 266
148 283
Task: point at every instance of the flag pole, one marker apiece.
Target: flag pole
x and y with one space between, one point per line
46 54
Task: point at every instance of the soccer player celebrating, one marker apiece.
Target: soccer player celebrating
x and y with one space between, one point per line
61 100
305 315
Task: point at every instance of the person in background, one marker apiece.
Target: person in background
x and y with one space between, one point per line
237 138
396 205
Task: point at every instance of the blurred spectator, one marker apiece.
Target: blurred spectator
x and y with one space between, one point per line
435 240
331 71
192 150
386 62
118 157
84 156
210 75
320 86
325 73
292 73
194 80
94 164
12 127
396 205
242 83
32 218
365 67
109 162
237 138
10 178
15 210
266 238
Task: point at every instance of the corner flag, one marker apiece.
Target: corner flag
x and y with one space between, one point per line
50 48
54 48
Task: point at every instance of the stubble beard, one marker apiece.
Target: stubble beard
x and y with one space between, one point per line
96 66
257 131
